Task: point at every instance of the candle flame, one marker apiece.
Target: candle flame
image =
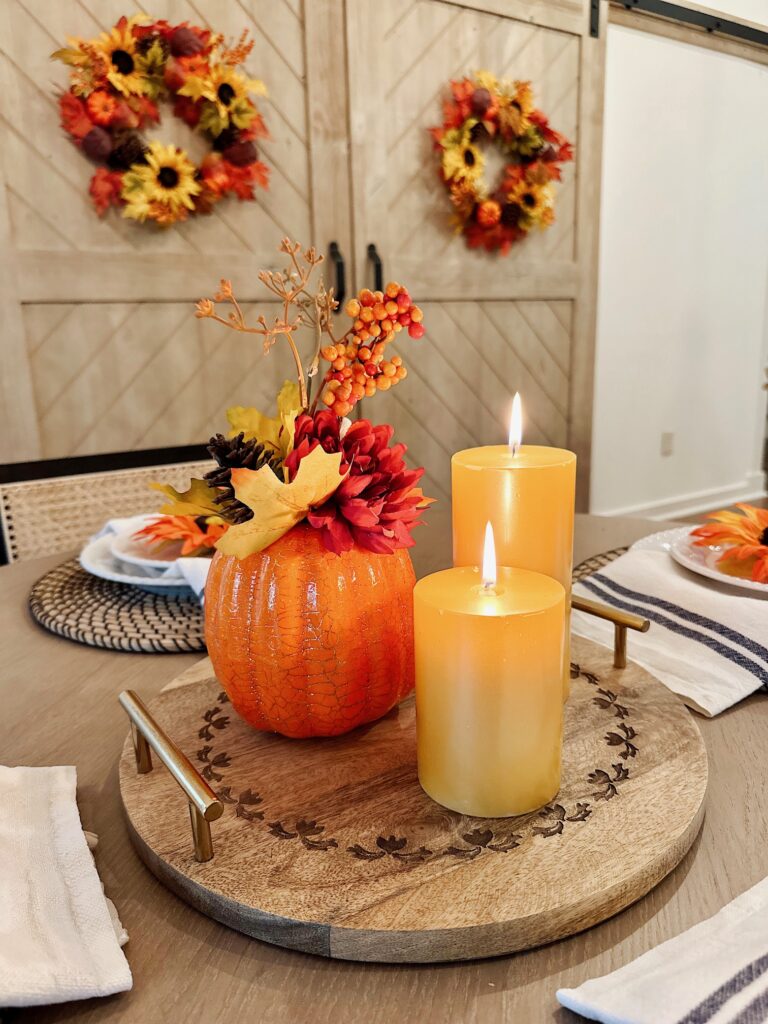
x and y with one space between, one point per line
489 558
516 424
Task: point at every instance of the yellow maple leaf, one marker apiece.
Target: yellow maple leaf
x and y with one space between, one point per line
196 501
73 56
278 507
274 431
197 88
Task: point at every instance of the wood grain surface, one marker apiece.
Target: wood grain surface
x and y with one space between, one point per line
59 706
330 846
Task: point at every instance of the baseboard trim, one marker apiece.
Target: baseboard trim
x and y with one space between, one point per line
751 489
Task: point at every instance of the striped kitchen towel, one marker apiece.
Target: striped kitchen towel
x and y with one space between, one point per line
707 642
715 973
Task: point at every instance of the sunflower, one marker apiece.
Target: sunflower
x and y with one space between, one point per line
464 199
533 199
119 49
229 88
462 160
163 188
744 537
227 92
515 108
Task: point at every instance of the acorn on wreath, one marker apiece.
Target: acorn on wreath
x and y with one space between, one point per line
116 83
484 110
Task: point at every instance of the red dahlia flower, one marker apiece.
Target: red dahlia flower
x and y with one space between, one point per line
377 504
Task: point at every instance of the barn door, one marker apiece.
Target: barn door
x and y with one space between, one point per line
101 351
495 324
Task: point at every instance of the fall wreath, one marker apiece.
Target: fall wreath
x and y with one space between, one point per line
481 110
116 83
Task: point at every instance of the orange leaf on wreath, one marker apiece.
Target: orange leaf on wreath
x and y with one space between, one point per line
147 111
242 179
74 118
105 189
257 129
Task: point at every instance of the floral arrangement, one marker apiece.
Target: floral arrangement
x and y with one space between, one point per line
309 463
484 109
744 537
116 83
198 534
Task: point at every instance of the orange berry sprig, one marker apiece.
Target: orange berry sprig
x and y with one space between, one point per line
359 364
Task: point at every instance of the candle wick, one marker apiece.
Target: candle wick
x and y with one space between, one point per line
515 446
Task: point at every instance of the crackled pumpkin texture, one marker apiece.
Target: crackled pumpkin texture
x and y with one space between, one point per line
308 643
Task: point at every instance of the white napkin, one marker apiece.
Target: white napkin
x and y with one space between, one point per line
192 571
57 937
707 642
715 973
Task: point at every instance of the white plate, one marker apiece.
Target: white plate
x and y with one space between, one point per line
679 544
137 551
97 559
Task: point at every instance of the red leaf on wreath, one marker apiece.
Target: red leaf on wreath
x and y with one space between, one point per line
105 189
146 110
141 31
186 109
175 74
74 118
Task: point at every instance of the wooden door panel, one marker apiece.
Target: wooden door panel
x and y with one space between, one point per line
397 93
461 375
123 376
48 178
102 349
495 324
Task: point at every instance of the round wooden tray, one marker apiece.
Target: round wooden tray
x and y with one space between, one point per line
331 846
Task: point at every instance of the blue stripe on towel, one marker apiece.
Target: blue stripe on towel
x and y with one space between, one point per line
714 1002
683 613
677 627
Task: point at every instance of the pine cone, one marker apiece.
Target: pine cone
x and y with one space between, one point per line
129 150
236 453
229 137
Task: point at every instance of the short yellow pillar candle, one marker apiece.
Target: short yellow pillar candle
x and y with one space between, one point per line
528 494
489 709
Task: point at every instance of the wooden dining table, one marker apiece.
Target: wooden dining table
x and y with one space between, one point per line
58 705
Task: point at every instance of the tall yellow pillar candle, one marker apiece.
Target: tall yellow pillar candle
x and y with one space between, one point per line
528 494
489 708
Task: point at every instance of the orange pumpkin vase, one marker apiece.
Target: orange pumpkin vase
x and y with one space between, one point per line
309 643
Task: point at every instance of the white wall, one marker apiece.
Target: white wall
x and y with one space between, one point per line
746 10
683 282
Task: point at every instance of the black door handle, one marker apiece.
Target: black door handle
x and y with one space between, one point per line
337 259
378 268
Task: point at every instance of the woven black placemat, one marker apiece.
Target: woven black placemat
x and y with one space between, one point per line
590 565
70 602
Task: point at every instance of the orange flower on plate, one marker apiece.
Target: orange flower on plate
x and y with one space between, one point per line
744 537
199 533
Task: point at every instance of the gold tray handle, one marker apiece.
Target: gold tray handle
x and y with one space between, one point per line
622 621
204 805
